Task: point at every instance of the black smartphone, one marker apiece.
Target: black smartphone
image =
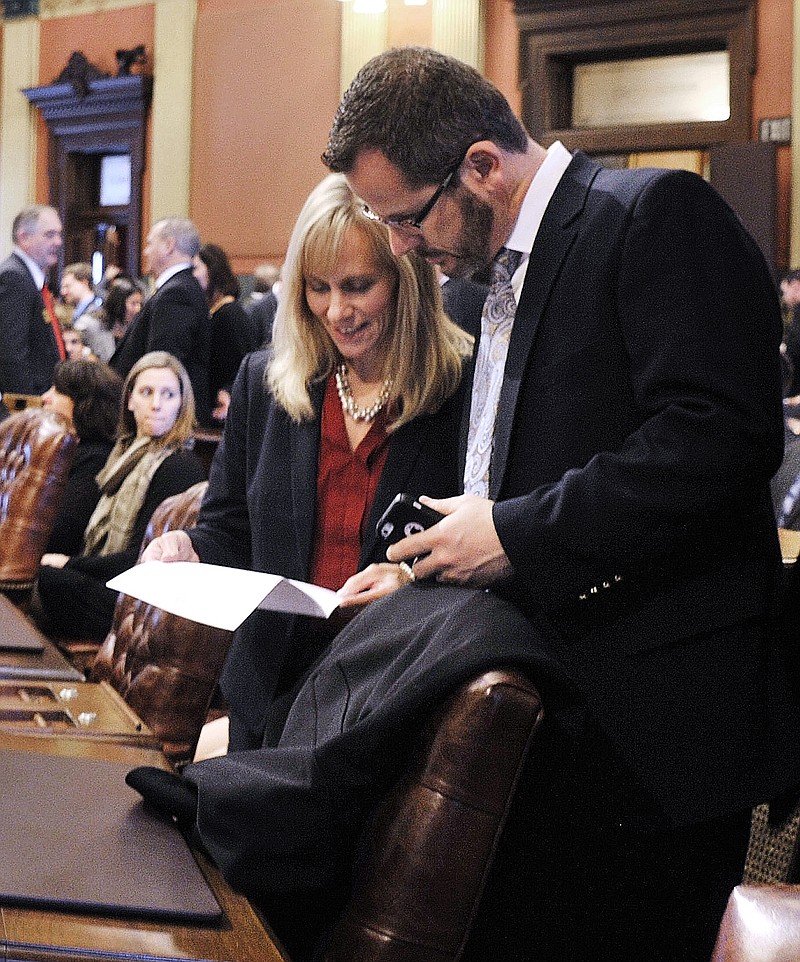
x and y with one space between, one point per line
405 516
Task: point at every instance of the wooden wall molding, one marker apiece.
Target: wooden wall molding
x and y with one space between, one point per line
52 9
554 35
110 118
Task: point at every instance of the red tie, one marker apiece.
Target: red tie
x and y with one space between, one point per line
50 307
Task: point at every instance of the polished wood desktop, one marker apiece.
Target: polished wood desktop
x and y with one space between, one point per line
46 664
34 935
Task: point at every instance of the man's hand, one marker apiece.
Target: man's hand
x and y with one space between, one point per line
172 546
463 548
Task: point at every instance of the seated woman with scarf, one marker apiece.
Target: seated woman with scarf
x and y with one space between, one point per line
149 462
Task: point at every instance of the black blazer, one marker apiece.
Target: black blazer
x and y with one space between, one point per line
282 822
175 319
638 426
28 349
259 513
231 339
80 497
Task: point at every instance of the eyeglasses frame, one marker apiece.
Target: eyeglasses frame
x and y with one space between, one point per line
415 223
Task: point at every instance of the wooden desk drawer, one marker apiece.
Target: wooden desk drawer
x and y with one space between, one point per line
85 708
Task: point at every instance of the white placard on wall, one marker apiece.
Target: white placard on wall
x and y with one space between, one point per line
115 180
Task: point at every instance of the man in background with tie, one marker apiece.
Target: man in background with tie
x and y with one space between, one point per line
30 335
624 423
175 317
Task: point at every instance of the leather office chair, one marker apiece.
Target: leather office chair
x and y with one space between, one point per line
760 924
430 848
36 452
165 667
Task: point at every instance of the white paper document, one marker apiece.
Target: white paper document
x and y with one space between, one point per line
219 596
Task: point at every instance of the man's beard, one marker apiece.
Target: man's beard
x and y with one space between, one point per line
474 252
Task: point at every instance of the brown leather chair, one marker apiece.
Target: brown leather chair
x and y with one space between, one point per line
165 667
429 851
36 452
760 924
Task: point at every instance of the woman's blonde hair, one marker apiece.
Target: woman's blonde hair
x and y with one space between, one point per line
425 348
181 430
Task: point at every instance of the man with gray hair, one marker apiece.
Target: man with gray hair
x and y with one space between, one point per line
175 318
30 339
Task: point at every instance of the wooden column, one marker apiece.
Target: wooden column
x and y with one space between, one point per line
20 69
458 30
172 108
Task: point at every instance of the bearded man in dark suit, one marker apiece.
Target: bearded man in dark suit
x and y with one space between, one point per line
175 317
616 528
617 457
28 343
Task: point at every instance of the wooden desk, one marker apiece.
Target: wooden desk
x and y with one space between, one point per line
30 935
48 663
81 709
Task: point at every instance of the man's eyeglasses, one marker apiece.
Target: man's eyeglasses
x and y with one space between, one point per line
414 222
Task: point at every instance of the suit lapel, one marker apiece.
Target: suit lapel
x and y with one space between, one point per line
304 448
555 237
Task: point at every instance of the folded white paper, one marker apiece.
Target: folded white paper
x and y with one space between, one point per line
219 596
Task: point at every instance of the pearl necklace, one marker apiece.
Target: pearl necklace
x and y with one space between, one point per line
371 411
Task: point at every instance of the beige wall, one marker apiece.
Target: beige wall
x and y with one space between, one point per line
265 78
266 84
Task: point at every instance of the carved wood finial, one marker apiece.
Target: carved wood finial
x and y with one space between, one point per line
80 73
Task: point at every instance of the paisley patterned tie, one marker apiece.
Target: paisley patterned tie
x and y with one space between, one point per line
496 323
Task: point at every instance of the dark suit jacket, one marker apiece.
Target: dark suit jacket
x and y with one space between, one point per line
80 497
175 319
231 339
638 426
262 316
28 349
283 821
259 512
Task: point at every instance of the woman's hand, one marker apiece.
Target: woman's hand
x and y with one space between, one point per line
172 546
55 560
375 581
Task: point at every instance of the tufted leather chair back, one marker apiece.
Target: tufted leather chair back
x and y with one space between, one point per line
430 847
165 667
36 452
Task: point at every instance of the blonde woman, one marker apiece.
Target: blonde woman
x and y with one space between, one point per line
357 402
149 462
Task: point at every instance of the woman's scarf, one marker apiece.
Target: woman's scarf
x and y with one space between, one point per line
124 482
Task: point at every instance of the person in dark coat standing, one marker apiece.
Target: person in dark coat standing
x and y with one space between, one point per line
30 346
624 424
231 331
175 317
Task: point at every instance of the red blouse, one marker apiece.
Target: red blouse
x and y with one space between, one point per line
346 485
